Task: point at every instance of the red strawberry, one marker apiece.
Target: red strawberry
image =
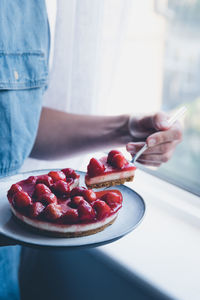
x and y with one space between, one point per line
69 180
53 211
95 167
70 173
57 175
103 210
41 189
89 195
36 209
14 189
86 212
61 187
111 154
22 199
118 161
77 191
77 200
45 179
31 179
48 198
70 216
113 199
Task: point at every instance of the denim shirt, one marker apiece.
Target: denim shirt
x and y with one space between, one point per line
24 51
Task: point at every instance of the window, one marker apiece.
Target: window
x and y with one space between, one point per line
159 68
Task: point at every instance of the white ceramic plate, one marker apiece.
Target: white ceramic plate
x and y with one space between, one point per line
129 217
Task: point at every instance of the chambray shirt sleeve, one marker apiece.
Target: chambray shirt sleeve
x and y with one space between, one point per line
24 51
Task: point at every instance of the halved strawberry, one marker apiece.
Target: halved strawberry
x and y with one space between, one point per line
111 154
57 175
77 191
89 195
48 198
31 179
41 189
95 167
71 216
53 211
86 212
22 199
118 161
77 200
102 209
45 179
61 187
70 173
14 189
69 180
36 209
113 199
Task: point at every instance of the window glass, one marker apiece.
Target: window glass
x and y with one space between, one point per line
159 68
181 85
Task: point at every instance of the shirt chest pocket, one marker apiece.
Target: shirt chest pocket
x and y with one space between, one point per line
23 70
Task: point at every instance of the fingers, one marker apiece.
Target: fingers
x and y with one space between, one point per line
133 148
160 121
154 156
174 133
161 142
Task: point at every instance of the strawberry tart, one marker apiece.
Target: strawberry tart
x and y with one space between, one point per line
108 171
54 205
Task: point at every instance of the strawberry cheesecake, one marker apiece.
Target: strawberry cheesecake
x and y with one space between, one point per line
108 171
54 205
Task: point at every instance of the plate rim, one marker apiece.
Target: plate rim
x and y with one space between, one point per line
71 247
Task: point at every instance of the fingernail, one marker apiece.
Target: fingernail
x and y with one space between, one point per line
130 147
151 142
164 124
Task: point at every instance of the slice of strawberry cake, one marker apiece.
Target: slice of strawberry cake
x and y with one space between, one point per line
108 171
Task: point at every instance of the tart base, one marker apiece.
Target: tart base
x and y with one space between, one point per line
109 183
63 234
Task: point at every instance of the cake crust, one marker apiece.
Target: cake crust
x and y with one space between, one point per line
59 234
109 183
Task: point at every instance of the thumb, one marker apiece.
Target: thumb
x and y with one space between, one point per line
160 121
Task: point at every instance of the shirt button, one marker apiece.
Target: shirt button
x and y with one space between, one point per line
16 75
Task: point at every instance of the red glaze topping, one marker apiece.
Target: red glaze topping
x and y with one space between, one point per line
114 162
53 202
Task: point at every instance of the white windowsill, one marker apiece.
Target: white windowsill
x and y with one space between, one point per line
165 249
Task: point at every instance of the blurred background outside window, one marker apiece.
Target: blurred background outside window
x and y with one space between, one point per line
131 56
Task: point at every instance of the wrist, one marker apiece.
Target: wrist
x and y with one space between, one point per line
123 130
